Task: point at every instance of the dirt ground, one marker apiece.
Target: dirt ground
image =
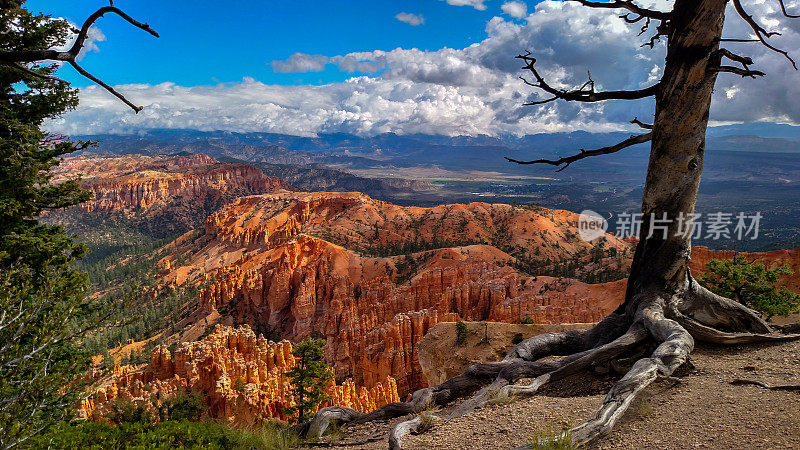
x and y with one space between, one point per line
703 410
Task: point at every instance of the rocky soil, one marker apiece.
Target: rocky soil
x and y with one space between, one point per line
702 410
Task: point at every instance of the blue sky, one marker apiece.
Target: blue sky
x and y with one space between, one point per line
204 43
306 67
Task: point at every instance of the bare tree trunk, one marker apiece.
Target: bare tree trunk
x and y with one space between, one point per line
678 145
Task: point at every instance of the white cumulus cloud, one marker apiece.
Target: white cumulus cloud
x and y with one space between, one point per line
411 19
477 4
301 62
461 91
515 9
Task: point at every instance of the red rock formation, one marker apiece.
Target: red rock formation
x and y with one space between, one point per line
242 378
137 182
275 264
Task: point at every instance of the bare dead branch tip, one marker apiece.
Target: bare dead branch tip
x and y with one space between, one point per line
18 58
566 161
585 93
762 34
110 89
783 10
646 126
630 6
745 61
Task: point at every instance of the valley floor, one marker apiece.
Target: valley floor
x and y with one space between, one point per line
703 410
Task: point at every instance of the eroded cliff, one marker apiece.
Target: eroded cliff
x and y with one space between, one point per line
160 193
373 278
241 376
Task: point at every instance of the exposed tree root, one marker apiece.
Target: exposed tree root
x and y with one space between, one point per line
711 335
668 321
401 430
774 387
719 312
327 416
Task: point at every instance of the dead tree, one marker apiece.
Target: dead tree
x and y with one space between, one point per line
664 307
21 59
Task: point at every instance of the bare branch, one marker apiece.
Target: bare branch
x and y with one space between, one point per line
627 18
760 32
633 140
644 27
585 93
738 71
105 86
630 6
783 10
738 40
646 126
745 61
33 73
539 102
84 32
23 56
19 57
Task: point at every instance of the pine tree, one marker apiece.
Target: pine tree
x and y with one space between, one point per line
43 313
752 285
309 377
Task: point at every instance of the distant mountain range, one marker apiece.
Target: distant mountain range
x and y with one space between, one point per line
763 137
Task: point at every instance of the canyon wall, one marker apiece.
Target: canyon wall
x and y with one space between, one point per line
241 376
160 196
303 263
137 182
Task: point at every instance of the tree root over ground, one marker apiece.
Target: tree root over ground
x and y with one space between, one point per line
668 321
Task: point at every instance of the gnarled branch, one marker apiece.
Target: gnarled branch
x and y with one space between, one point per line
646 126
761 34
745 61
783 10
630 6
585 93
566 161
17 58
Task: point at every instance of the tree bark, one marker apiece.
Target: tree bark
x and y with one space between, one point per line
678 146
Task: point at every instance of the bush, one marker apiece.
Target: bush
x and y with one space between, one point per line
183 407
123 410
517 338
527 319
752 285
165 435
461 333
